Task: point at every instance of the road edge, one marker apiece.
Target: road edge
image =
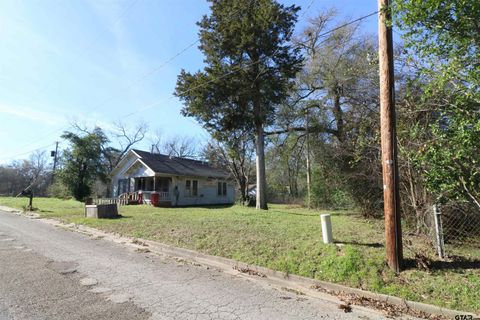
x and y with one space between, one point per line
312 287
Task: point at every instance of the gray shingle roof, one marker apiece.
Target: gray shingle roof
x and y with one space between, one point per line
161 163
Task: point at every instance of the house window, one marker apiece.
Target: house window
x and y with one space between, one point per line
191 188
222 189
194 188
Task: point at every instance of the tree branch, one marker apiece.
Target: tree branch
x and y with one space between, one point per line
313 129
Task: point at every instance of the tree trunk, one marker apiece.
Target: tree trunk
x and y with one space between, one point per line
309 165
260 163
338 114
242 184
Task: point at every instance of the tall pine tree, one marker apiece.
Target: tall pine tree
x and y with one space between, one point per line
250 65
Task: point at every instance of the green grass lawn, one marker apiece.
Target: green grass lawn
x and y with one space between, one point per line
289 239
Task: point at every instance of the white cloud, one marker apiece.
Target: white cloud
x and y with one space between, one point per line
114 16
32 114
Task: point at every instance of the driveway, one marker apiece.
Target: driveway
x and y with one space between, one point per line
50 273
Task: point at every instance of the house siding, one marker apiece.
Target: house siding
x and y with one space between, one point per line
207 192
141 171
207 187
121 174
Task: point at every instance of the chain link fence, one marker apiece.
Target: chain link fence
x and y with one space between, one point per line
456 231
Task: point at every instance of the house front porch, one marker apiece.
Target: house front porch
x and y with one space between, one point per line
146 190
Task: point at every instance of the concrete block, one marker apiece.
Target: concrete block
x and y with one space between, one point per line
101 211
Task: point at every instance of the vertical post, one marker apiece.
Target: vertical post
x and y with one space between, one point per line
55 161
437 215
326 228
30 201
309 165
393 231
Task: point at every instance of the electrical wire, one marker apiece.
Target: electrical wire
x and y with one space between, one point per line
26 152
139 79
122 14
151 105
126 10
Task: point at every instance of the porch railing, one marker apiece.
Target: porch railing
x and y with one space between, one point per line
118 201
164 195
133 197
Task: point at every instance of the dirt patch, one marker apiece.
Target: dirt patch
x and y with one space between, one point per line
250 272
139 242
390 310
298 293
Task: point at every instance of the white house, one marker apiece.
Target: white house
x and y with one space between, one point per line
145 176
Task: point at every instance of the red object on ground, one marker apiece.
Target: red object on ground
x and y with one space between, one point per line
140 197
154 198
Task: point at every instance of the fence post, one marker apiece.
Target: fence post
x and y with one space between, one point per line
437 215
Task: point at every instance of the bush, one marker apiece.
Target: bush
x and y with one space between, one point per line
59 190
328 191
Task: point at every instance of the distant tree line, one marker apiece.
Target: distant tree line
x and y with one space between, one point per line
86 159
33 174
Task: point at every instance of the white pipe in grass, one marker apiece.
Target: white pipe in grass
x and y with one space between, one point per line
326 228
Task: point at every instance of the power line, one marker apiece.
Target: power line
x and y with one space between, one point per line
151 105
307 8
163 64
127 9
143 76
41 138
26 152
347 24
122 14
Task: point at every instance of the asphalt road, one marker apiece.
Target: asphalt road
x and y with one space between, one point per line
50 273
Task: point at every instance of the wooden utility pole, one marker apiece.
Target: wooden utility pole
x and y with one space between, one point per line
393 229
55 155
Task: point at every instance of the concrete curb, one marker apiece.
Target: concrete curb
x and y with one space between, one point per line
298 281
281 279
12 210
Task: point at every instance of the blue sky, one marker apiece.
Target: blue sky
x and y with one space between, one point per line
96 61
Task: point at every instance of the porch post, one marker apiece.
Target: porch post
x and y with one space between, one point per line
154 183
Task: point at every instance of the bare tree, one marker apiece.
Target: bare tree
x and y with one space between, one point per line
181 146
126 137
156 141
37 167
123 135
32 174
235 155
